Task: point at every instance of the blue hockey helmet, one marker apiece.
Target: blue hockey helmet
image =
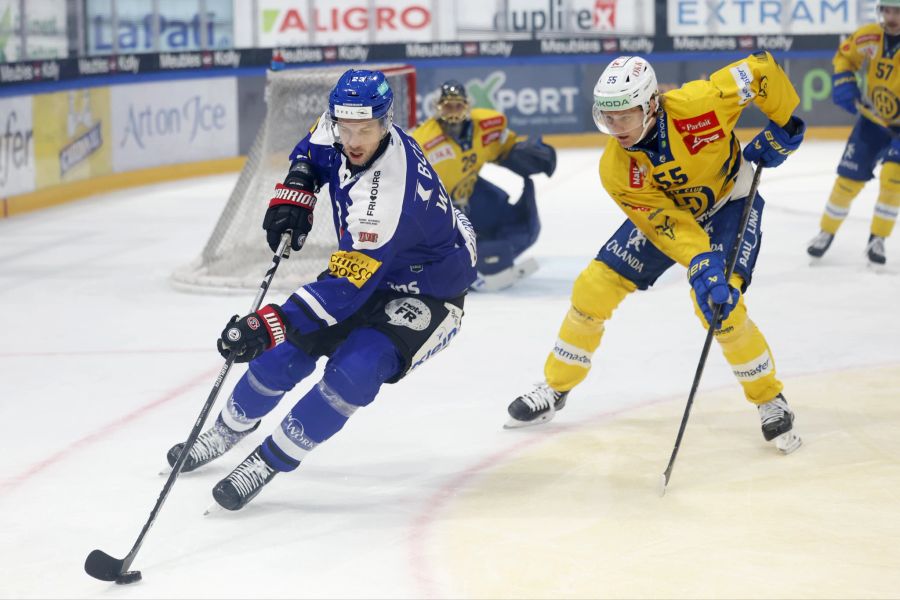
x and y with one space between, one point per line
361 95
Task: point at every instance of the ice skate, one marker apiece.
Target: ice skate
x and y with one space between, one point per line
778 425
875 251
506 278
244 483
820 244
536 407
210 445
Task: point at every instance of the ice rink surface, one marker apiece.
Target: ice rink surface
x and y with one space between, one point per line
103 366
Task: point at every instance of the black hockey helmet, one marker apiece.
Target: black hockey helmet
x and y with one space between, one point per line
453 103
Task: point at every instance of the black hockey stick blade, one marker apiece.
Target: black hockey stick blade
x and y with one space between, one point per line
102 566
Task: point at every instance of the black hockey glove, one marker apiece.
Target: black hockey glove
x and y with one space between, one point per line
249 336
291 208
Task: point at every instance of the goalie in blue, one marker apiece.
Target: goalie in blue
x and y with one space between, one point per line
392 296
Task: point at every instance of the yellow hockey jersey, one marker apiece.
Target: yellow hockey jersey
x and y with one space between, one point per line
865 50
696 160
487 140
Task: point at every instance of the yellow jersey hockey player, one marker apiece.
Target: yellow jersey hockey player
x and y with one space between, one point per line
458 141
675 168
874 49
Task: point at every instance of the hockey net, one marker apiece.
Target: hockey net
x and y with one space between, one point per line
236 255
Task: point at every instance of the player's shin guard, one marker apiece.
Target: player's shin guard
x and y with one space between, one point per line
888 205
838 206
596 294
747 352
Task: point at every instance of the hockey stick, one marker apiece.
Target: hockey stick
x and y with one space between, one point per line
732 260
101 565
867 111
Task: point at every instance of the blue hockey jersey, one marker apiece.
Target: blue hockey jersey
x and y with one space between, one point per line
396 229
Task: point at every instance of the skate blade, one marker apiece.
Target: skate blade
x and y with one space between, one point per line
788 442
516 424
876 267
212 509
165 472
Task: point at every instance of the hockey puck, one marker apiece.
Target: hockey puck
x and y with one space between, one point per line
128 577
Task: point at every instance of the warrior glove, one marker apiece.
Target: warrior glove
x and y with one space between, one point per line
247 337
291 208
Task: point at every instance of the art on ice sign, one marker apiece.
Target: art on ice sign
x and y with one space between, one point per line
751 17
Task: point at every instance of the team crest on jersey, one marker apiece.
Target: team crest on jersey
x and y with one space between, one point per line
356 267
635 175
666 228
699 131
886 103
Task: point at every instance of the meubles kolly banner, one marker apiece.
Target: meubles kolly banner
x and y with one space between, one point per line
604 48
173 122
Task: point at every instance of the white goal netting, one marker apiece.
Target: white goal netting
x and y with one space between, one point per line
236 255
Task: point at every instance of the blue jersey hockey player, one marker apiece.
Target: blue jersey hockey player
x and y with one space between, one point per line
391 298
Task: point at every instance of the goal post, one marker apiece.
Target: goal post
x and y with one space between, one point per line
237 252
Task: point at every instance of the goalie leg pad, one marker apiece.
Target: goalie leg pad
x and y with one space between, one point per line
597 292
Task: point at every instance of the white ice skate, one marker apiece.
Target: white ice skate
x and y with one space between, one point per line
506 278
778 425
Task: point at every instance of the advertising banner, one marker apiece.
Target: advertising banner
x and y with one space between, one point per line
173 122
295 23
71 135
767 17
16 146
552 103
45 24
180 26
478 20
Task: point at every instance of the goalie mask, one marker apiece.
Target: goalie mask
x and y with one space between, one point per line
453 104
361 100
627 83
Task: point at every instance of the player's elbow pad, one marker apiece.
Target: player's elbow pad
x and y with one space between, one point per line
530 157
302 176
